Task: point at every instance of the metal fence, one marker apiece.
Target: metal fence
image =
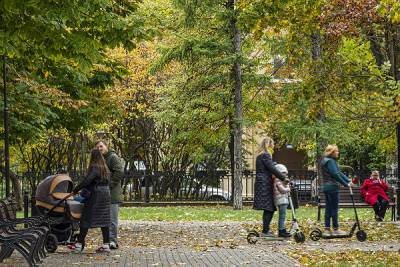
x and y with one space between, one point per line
203 186
140 186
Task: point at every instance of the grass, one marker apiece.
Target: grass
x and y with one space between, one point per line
223 213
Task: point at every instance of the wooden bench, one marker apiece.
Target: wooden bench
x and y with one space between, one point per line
28 241
345 200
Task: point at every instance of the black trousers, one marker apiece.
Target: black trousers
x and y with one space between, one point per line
380 207
267 217
83 232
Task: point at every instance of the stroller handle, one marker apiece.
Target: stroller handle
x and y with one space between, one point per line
59 202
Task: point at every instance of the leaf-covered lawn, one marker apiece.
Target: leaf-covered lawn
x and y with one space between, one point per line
251 219
347 258
213 227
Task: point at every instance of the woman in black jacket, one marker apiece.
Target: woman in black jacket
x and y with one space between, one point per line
96 210
263 188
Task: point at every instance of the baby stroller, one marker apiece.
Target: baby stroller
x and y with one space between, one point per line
54 200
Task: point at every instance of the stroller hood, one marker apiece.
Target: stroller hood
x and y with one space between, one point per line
54 188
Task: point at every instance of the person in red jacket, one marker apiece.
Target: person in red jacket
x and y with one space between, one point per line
373 190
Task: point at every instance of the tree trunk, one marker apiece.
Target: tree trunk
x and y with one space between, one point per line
315 55
376 49
238 115
16 186
394 56
232 157
17 189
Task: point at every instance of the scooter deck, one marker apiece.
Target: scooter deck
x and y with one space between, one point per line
337 236
272 238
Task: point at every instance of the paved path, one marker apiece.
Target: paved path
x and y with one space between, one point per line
195 244
174 244
175 257
165 256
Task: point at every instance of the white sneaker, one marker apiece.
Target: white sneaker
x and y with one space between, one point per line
105 248
76 247
327 233
268 235
113 245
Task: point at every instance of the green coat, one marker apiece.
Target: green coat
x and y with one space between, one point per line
114 163
332 177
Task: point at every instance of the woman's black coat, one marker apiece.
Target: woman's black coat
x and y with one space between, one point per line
263 188
96 210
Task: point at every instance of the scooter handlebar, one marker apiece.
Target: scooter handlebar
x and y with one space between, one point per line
351 189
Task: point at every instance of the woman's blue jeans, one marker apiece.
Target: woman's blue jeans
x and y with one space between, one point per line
332 209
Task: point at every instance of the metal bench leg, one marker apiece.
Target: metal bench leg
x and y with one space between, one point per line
319 213
5 252
393 213
27 255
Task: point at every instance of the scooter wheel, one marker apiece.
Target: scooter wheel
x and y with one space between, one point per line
361 236
315 235
252 237
299 237
51 243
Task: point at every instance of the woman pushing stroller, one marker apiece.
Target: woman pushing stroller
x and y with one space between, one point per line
96 209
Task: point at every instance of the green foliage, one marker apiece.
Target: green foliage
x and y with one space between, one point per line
198 101
57 66
157 75
341 94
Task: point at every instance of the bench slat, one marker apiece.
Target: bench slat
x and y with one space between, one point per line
345 197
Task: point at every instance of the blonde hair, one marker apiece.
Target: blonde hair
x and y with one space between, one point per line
330 149
375 172
265 144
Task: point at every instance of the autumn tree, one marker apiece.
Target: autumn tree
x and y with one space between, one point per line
348 81
56 62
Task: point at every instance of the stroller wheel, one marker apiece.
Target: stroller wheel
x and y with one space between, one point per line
361 236
315 235
252 237
51 243
299 237
74 238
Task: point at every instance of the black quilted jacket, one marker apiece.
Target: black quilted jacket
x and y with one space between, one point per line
96 210
263 187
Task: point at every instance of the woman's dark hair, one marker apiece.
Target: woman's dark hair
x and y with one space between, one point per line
97 160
